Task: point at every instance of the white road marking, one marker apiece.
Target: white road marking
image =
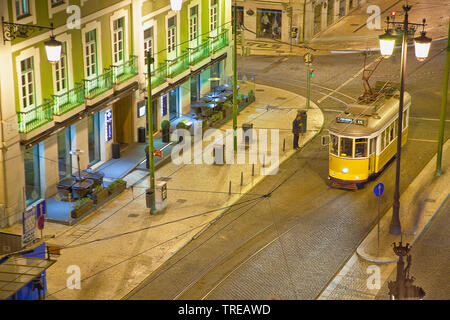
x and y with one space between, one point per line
424 140
427 119
333 110
349 80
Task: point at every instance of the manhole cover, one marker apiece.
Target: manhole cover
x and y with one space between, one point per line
181 200
133 215
164 179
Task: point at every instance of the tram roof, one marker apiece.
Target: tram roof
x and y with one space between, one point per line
375 116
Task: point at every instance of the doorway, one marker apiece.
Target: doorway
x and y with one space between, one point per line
123 122
174 100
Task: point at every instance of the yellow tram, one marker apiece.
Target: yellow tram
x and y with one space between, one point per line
364 138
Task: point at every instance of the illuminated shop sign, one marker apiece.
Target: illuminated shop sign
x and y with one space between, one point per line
108 125
142 108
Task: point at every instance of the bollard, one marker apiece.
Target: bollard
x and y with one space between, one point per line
242 178
229 190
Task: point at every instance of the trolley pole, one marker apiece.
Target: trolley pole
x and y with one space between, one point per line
151 156
443 109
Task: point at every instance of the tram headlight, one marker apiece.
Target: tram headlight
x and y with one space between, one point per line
345 170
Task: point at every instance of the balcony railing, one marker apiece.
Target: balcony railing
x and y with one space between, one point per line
98 85
69 100
200 53
159 76
220 41
35 118
177 65
125 71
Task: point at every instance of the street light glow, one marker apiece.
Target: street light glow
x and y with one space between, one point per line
422 45
176 4
387 43
53 49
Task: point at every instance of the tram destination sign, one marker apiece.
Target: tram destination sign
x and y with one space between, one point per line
360 122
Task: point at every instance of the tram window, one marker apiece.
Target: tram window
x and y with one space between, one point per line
391 132
346 147
383 143
334 144
405 118
396 128
361 148
373 145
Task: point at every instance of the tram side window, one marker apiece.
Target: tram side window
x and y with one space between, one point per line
383 137
334 144
361 148
346 147
396 128
373 145
405 119
391 132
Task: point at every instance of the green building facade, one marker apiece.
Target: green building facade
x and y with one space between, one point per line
95 95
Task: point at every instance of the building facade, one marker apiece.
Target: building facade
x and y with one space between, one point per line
95 95
290 21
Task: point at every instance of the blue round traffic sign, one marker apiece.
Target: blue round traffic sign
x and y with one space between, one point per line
379 189
40 222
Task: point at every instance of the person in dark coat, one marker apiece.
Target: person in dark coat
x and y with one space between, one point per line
297 129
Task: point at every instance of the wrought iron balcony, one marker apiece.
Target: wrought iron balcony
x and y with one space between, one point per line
199 53
220 41
98 85
69 100
125 71
178 65
35 118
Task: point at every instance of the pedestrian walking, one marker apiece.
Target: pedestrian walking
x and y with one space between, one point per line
297 129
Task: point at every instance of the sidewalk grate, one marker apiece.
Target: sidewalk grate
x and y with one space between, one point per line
181 200
280 98
133 215
165 179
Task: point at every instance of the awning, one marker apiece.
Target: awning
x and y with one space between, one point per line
17 272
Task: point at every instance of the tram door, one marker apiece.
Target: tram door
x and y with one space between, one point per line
372 155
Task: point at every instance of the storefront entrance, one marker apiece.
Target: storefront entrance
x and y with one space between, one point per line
123 121
195 88
174 104
32 174
268 23
64 138
94 138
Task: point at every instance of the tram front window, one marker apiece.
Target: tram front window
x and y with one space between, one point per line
361 148
334 144
346 147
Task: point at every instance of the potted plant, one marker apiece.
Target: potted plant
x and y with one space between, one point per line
117 186
227 109
251 96
181 125
81 207
99 194
165 128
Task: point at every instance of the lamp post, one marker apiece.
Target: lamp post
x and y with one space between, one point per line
77 153
151 156
235 108
387 43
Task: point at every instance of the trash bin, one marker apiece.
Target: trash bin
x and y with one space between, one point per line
149 198
219 154
141 135
304 116
247 133
116 150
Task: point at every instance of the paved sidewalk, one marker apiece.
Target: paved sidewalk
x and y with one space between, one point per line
197 195
351 33
422 200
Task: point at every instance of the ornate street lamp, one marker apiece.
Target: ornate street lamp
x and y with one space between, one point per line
422 44
12 31
387 44
176 4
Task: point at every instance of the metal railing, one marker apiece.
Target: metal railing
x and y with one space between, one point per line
177 65
125 71
69 100
35 118
98 85
200 53
220 41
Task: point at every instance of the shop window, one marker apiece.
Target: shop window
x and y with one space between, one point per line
32 175
361 148
94 138
334 144
164 103
239 17
346 147
22 8
268 23
174 103
64 156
